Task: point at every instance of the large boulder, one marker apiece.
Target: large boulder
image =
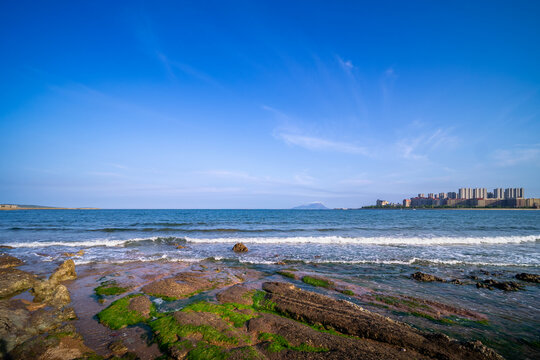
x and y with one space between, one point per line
240 248
66 271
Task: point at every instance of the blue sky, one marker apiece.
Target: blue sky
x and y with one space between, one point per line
255 104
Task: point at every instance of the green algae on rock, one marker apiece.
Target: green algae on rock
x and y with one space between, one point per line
121 314
318 281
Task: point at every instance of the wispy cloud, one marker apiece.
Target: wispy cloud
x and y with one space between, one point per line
346 65
419 147
320 144
517 155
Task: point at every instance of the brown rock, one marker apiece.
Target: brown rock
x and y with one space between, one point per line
240 248
236 294
66 271
7 261
456 282
182 285
350 319
13 281
420 276
528 277
140 304
118 348
501 285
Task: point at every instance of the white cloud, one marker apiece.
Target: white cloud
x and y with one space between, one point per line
517 155
314 143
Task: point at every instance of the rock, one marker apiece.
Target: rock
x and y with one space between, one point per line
420 276
181 286
66 271
6 247
118 348
456 282
240 248
78 253
140 304
51 293
350 319
60 296
13 281
236 294
7 261
528 277
502 285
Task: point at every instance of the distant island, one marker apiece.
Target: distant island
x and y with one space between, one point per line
312 206
39 207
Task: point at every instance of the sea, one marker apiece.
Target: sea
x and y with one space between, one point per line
376 250
500 238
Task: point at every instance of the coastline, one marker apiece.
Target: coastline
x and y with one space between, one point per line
222 296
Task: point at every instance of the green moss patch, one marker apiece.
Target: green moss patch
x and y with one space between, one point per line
107 288
318 282
227 311
279 343
118 314
287 274
204 351
347 292
168 331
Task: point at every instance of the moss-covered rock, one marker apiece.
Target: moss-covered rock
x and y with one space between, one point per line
121 314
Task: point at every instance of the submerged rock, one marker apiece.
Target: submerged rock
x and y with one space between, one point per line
501 285
420 276
7 261
534 278
240 248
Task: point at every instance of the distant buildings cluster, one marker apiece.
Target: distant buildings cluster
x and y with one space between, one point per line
477 197
469 197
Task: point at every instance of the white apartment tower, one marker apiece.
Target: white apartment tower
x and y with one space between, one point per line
465 193
513 193
498 193
479 193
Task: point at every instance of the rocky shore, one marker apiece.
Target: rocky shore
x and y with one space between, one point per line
209 310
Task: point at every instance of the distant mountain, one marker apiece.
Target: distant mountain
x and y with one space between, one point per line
312 206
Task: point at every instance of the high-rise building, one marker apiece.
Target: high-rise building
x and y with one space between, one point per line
498 193
465 193
513 193
421 195
431 195
479 193
452 195
443 195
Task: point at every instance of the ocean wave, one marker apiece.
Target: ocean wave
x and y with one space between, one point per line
421 241
322 240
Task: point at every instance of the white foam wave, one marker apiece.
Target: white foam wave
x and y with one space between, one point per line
442 240
374 240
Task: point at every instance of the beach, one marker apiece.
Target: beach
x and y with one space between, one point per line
317 284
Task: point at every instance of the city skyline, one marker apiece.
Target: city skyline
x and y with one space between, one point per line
265 104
